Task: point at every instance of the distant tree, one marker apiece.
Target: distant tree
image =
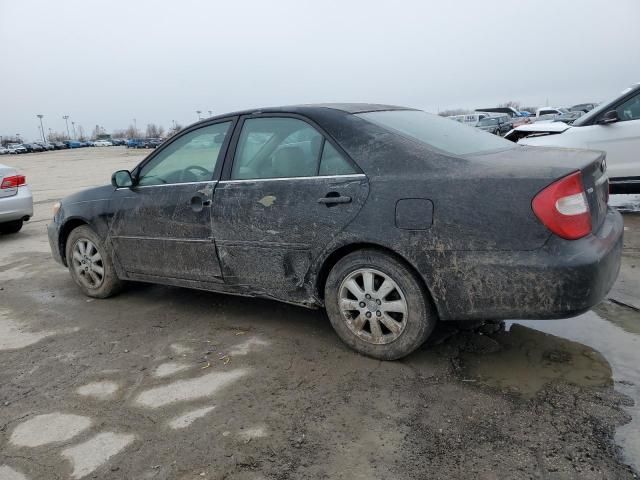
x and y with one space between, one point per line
81 135
512 104
57 136
131 132
454 111
153 131
118 133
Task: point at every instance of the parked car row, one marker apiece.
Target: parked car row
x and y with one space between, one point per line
14 148
143 142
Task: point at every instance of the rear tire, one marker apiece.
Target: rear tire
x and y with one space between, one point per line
377 305
11 227
90 264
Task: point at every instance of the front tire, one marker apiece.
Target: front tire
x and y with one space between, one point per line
377 305
90 264
11 227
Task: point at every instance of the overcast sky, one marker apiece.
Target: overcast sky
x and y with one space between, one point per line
111 61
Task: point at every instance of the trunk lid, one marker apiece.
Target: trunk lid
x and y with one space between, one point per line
548 164
596 186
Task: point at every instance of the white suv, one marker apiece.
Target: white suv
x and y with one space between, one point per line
612 126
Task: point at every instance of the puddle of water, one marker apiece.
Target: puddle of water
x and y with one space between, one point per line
188 418
49 428
186 390
88 456
614 331
530 359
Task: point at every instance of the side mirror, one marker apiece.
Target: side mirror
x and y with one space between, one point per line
610 117
122 179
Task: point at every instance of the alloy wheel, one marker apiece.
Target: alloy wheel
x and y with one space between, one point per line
87 263
373 306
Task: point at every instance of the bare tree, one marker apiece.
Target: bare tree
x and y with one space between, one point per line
153 131
132 132
175 129
512 104
81 135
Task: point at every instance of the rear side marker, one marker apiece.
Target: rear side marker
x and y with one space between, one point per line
563 208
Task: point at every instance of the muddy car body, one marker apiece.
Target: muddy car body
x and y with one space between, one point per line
408 219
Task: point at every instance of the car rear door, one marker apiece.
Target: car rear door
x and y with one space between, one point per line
162 225
286 192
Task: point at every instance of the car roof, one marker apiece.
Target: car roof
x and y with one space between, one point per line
311 108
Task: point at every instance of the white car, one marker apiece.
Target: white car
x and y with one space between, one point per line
4 151
16 202
613 126
102 143
16 148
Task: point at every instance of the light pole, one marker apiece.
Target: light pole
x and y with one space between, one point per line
199 112
66 119
73 124
135 128
50 134
41 127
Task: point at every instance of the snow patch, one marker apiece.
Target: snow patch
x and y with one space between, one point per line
169 368
192 389
249 345
99 390
188 418
49 428
8 473
88 456
13 335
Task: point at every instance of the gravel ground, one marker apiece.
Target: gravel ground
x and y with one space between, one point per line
163 382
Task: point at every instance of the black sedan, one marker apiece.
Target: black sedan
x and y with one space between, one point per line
389 218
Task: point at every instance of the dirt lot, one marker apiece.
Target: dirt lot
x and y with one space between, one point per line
164 382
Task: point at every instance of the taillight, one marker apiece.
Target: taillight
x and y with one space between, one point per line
13 182
563 208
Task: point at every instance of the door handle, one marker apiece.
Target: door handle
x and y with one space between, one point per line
331 200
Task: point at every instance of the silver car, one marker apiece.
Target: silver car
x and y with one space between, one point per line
16 202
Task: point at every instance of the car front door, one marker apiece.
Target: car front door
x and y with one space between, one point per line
621 139
288 191
162 225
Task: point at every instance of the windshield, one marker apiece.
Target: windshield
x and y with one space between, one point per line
437 132
488 121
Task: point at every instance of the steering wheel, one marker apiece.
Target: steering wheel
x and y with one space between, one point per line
198 168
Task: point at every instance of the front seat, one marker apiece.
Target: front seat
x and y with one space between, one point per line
291 162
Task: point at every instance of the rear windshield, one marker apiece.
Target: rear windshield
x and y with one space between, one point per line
440 133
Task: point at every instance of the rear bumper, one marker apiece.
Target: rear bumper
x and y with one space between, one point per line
18 206
562 279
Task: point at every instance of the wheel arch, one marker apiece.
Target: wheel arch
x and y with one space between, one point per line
336 255
69 225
